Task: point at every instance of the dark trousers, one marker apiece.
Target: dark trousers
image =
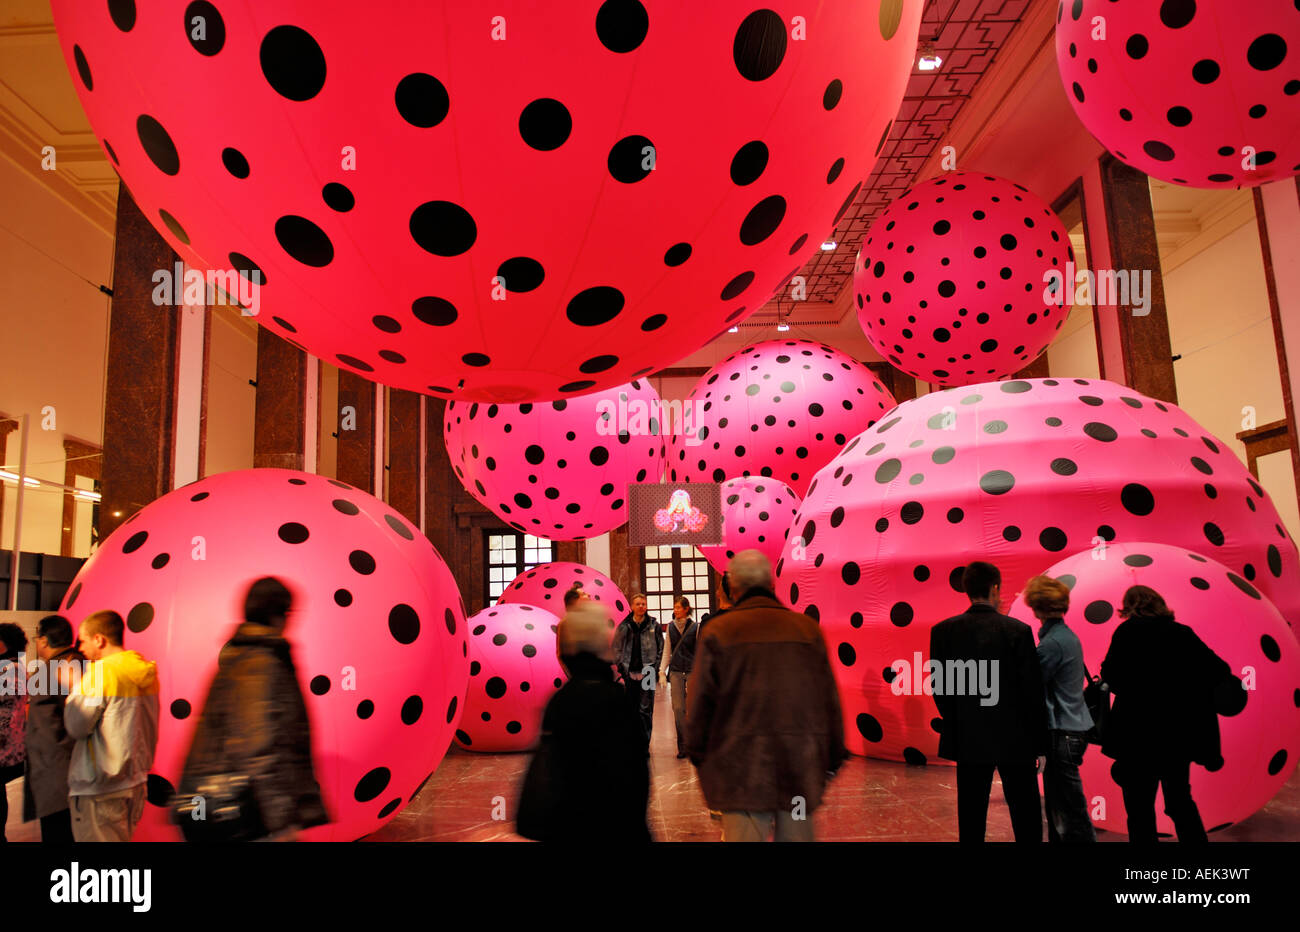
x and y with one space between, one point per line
57 827
1067 810
643 700
7 774
1138 780
1019 786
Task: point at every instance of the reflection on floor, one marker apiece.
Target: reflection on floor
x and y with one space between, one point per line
472 797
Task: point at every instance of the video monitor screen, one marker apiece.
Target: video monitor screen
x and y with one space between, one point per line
674 514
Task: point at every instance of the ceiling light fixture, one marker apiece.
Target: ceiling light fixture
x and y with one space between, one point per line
829 245
928 59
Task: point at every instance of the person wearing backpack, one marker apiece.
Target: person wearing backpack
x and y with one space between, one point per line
1060 655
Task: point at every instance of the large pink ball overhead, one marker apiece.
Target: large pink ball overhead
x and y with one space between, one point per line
558 469
756 515
513 672
1260 743
378 628
1196 93
545 585
779 409
951 283
495 200
1018 473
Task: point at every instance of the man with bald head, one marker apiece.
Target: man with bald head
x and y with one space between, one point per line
764 725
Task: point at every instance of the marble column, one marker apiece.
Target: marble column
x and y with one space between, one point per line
140 381
280 429
356 456
405 457
1131 234
1035 370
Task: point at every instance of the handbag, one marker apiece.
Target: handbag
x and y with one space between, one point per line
1096 696
536 815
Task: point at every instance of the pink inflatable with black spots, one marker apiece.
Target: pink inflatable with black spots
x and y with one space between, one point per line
779 409
377 628
756 515
558 469
513 672
545 585
952 283
1018 473
1196 92
1261 742
493 200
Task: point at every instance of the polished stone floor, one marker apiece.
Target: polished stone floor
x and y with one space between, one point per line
472 797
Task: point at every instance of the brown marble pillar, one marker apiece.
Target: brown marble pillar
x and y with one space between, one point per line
1035 370
1131 232
140 383
571 551
901 385
280 418
356 456
624 563
404 454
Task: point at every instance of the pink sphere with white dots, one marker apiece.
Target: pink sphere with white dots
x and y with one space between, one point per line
513 672
545 586
493 200
1260 742
377 628
779 409
558 469
952 281
1020 474
1195 93
756 515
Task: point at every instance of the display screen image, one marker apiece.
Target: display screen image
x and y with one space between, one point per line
682 514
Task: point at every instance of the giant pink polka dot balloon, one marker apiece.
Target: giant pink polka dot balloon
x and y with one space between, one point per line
1261 743
545 585
1197 93
779 409
952 281
497 200
559 469
756 515
1018 473
378 628
513 672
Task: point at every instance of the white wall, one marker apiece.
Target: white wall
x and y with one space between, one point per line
232 363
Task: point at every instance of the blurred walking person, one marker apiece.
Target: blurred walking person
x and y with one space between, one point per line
678 660
49 746
1060 656
589 780
13 714
251 753
764 725
1164 679
112 716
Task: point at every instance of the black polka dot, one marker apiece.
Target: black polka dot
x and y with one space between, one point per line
443 228
851 573
1137 499
748 163
180 709
362 562
292 63
1213 533
210 26
848 656
1276 763
412 709
677 254
1244 586
319 685
762 220
304 241
1098 431
888 470
338 197
997 482
631 159
342 598
436 312
545 124
235 162
831 96
1138 559
869 728
1052 539
83 67
1177 13
135 542
521 274
372 784
158 145
160 561
403 623
594 306
1098 612
122 12
901 614
760 45
495 687
292 532
621 25
422 100
1266 52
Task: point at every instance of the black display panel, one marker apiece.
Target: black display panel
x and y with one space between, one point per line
674 514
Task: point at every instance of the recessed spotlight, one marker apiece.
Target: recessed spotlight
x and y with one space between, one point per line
928 59
783 327
829 245
733 330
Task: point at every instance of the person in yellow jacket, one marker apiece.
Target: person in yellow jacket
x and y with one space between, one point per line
113 715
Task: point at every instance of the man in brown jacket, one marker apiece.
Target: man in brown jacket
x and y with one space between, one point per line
764 726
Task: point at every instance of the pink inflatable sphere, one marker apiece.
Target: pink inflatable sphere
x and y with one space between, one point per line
559 469
1261 743
1201 94
378 628
494 200
952 283
545 585
756 515
513 672
779 409
1017 473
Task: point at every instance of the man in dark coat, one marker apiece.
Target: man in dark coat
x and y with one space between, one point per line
49 746
255 722
589 781
763 725
638 649
989 689
1165 681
